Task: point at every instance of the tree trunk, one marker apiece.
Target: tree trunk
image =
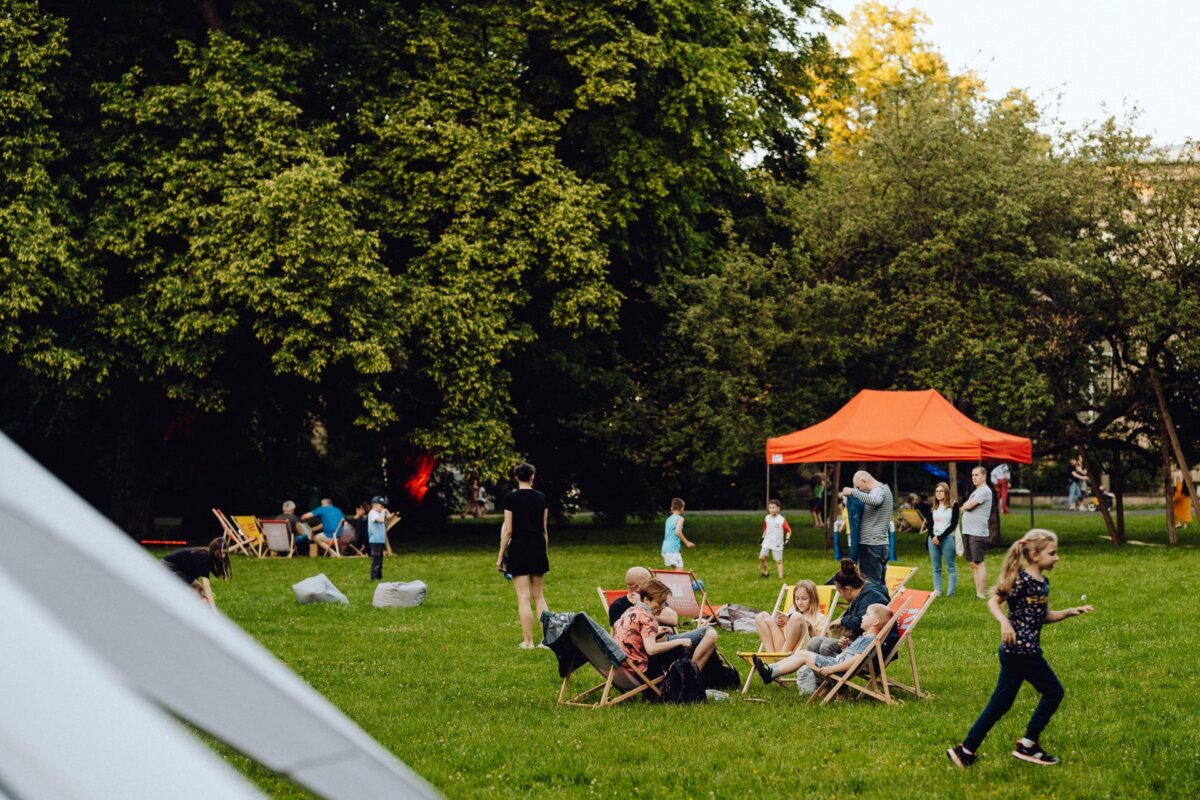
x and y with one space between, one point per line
953 473
1094 474
1118 487
132 505
1168 488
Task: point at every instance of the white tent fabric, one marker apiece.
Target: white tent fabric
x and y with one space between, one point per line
71 730
132 614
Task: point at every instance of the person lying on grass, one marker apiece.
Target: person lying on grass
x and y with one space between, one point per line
634 578
637 632
877 616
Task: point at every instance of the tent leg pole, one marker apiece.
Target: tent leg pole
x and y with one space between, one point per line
768 500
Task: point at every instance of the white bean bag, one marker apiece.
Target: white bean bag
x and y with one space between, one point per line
318 589
402 594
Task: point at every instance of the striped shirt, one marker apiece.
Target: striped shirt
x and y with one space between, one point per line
876 515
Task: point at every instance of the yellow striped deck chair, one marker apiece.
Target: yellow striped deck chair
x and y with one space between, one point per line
827 599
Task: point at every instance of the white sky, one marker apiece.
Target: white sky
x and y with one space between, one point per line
1090 53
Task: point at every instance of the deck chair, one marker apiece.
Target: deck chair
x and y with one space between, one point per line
608 597
387 535
347 543
235 540
577 640
866 671
250 529
910 520
278 537
827 599
683 595
916 603
897 577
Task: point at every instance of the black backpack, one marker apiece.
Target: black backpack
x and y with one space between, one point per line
719 674
683 683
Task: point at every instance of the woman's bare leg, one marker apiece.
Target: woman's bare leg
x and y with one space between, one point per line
521 584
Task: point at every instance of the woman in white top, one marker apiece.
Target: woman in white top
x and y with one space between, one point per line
941 538
790 630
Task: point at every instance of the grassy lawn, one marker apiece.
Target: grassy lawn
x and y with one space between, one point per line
445 688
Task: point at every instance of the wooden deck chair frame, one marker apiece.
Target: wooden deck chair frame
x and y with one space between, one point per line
873 684
896 578
917 603
387 535
829 602
913 518
235 540
683 600
278 538
624 678
609 596
344 549
251 529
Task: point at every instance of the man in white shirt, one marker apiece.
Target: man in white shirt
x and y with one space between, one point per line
975 513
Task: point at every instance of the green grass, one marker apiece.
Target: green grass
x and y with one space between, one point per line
445 688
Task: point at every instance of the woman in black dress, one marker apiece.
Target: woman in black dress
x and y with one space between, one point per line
523 541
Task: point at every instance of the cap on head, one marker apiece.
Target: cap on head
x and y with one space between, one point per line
379 499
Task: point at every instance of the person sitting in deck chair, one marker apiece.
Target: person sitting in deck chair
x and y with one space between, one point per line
876 617
638 633
330 518
634 578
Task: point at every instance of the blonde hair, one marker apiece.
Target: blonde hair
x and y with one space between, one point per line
813 616
945 503
1028 546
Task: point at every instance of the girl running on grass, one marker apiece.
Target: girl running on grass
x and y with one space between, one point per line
1027 593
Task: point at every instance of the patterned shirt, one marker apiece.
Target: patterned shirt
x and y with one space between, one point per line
876 515
629 631
1027 605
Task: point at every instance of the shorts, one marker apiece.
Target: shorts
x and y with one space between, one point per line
816 504
776 552
673 560
820 661
974 548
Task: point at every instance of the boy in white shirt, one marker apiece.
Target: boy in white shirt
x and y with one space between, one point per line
377 534
776 533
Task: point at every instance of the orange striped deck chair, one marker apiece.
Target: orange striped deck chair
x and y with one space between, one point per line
917 602
250 529
608 597
684 584
827 599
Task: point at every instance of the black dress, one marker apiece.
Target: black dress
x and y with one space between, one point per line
190 564
527 547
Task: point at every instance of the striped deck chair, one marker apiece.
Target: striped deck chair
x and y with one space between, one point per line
252 531
827 599
683 583
608 597
917 602
866 673
577 640
909 520
235 540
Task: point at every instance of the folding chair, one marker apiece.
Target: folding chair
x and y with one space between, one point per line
608 597
387 535
250 529
280 541
827 598
346 543
683 595
588 643
917 602
867 666
235 540
909 519
897 577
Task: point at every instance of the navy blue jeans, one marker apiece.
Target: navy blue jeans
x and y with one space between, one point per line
1015 670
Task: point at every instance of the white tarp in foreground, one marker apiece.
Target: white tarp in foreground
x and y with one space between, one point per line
140 621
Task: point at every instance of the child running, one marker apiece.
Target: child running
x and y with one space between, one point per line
673 536
776 533
1027 593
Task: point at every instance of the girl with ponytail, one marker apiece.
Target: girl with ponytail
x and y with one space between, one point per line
1027 593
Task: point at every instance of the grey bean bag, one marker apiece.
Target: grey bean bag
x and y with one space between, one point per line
402 594
318 589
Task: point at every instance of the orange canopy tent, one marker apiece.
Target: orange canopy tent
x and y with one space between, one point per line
898 426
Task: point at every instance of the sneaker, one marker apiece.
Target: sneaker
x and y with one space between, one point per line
961 758
525 646
543 646
763 669
1034 755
